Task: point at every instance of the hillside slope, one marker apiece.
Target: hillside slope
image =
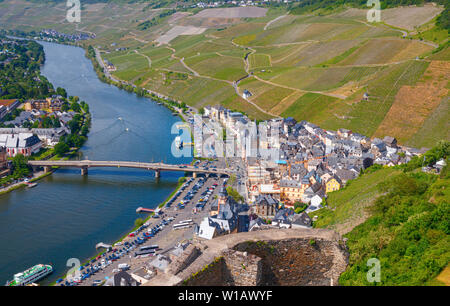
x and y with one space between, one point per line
405 223
309 66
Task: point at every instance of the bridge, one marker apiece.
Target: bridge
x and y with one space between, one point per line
157 167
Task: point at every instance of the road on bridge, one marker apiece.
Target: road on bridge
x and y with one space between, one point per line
157 167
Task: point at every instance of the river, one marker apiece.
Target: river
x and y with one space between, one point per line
67 214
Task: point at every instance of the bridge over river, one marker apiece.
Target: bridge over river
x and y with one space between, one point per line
157 167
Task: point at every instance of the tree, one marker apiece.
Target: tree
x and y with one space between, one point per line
61 91
20 166
61 148
138 222
235 195
75 106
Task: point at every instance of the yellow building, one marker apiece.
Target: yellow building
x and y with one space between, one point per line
333 184
291 190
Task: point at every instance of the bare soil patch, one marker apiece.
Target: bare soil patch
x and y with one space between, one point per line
406 17
410 16
179 30
413 104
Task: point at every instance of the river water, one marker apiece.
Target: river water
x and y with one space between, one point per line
67 214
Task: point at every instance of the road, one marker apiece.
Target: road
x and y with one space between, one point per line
127 164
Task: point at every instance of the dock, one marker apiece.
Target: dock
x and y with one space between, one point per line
145 210
102 245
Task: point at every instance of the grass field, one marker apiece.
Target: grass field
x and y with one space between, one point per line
259 61
347 207
386 50
312 107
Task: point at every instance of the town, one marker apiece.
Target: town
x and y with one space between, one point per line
266 193
40 128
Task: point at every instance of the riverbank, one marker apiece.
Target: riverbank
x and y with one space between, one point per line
68 214
77 116
93 54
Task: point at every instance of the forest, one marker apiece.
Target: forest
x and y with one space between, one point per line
20 76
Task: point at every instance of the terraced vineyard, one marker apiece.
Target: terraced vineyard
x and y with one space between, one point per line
315 68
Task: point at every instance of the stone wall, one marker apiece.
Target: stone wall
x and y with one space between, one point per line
233 268
289 257
184 260
244 269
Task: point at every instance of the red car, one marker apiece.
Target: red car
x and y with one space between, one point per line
131 235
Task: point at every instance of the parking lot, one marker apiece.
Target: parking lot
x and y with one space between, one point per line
191 202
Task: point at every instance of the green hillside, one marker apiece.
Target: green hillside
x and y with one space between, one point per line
314 66
407 227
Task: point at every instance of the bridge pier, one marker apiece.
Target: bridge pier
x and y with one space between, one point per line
194 174
47 169
157 173
84 170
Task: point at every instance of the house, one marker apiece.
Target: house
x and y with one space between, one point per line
142 274
291 190
344 133
36 104
301 221
22 143
365 97
48 136
265 206
440 165
316 200
255 224
223 217
243 222
332 184
282 217
160 263
8 105
207 229
345 175
390 141
247 94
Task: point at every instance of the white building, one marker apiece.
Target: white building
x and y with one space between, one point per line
22 143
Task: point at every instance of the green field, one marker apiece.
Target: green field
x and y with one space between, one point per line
332 57
349 207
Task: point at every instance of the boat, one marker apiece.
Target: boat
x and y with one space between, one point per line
31 185
30 275
178 142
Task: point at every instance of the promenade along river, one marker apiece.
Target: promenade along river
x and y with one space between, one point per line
67 214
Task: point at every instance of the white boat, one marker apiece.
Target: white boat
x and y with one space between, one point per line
30 275
178 142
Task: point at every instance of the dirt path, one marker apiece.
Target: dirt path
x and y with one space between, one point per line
134 36
188 68
273 20
148 58
182 62
301 90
